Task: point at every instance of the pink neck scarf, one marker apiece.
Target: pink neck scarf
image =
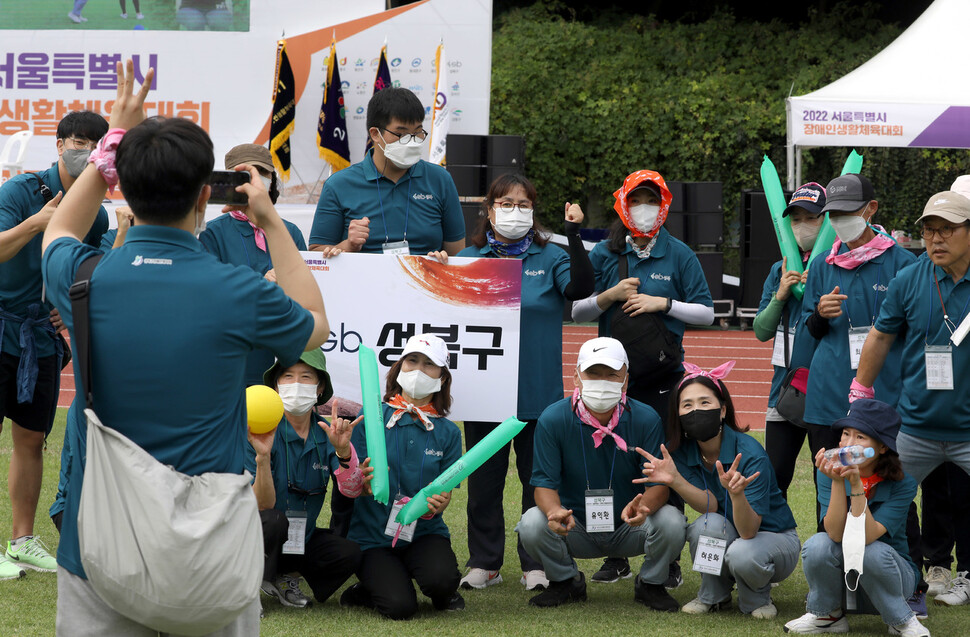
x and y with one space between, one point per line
258 233
693 371
857 256
601 431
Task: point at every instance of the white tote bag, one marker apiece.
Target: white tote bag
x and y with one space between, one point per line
179 554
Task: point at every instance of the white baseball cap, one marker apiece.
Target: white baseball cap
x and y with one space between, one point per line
602 351
430 345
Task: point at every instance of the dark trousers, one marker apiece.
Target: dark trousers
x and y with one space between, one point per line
657 394
819 436
486 494
341 511
946 516
385 574
328 560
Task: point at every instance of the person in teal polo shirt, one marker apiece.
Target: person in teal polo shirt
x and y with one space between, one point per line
233 239
291 466
746 532
393 201
170 326
587 504
32 351
550 277
421 443
867 504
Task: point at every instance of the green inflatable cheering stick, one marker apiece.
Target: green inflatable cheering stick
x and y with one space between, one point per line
370 389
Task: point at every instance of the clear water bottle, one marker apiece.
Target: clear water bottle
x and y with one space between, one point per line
848 456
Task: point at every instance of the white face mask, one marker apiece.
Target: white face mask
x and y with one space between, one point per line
513 224
848 228
644 216
403 155
417 384
298 398
805 234
601 395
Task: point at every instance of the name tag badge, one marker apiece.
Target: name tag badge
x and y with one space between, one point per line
397 248
857 338
599 511
709 557
295 543
939 366
778 351
407 531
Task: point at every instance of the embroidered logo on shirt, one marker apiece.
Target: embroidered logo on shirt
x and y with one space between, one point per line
422 195
139 260
660 277
318 467
879 288
432 452
534 272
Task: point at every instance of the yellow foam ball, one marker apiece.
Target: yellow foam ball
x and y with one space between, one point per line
264 408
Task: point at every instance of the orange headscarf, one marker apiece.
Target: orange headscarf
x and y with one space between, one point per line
629 185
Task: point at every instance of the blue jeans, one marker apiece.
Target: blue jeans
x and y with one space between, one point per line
887 579
659 539
754 564
78 5
921 455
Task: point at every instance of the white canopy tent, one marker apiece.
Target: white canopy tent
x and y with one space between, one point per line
914 93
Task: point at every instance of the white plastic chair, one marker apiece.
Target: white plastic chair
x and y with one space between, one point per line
14 164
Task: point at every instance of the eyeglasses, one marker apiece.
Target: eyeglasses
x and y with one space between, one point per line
407 138
945 232
79 143
508 206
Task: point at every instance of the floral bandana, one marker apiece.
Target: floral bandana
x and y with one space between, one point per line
857 256
509 249
868 484
631 183
716 374
644 252
601 431
402 407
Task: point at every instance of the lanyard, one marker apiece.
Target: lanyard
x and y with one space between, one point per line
875 300
583 447
289 477
950 325
400 461
407 209
708 491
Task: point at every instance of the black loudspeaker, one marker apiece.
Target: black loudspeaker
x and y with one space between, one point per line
703 196
754 271
471 212
757 229
494 172
713 265
676 225
469 180
465 150
505 150
705 228
676 189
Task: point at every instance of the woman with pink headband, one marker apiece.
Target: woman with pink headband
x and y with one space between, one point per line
746 532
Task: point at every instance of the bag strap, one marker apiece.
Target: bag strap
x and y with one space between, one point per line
784 334
80 292
622 267
43 189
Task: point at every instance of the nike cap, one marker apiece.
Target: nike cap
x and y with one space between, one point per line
948 205
430 345
602 351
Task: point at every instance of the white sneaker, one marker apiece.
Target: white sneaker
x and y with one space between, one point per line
958 594
124 16
768 611
534 580
811 624
140 16
912 628
697 607
480 578
939 580
74 17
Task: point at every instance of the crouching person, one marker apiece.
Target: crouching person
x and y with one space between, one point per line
292 465
583 472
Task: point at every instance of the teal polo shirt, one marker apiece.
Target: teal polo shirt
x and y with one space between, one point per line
889 507
671 271
306 464
21 284
421 207
565 460
763 494
800 353
912 311
830 372
545 275
415 457
170 331
108 240
234 242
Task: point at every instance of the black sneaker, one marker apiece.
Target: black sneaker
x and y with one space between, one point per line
559 593
356 595
613 570
454 602
674 576
655 596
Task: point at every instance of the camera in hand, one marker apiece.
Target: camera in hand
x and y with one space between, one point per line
224 184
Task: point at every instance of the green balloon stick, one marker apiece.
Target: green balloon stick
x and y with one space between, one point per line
826 234
370 389
776 206
461 469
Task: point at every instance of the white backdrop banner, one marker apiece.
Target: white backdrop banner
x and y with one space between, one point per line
382 300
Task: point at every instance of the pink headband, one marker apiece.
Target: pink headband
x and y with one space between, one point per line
716 374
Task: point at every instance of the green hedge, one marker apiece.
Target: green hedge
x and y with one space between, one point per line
697 102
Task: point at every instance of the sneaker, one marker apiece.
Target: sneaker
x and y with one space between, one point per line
124 16
917 603
534 580
811 624
912 628
9 570
654 596
452 603
480 578
959 592
697 607
286 588
355 595
938 578
32 554
613 570
140 16
74 17
674 576
768 611
559 593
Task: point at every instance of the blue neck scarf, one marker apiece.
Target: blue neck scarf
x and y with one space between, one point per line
509 249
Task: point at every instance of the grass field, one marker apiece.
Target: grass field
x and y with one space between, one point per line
102 15
28 605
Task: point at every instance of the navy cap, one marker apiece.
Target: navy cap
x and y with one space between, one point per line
848 193
874 418
810 197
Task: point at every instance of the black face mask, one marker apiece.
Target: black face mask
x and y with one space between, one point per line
701 424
